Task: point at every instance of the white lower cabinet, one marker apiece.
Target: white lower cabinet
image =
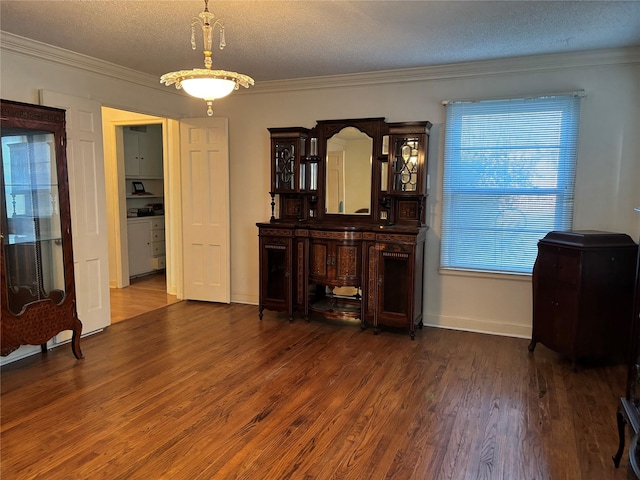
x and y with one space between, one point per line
146 245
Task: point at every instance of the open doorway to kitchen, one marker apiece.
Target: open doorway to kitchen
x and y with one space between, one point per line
139 260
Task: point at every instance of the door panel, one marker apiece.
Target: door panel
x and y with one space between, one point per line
205 209
88 208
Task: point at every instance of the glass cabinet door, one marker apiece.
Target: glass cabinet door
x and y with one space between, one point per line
31 218
405 161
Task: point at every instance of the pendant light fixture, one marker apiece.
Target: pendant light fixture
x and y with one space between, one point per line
206 83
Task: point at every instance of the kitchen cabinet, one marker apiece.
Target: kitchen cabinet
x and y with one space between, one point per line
143 160
146 245
143 151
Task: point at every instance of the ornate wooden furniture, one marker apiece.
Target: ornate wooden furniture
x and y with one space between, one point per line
347 231
36 264
583 294
629 406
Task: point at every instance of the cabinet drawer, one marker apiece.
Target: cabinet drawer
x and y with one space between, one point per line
157 224
159 262
157 235
158 248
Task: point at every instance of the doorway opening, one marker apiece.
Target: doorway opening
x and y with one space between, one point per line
137 195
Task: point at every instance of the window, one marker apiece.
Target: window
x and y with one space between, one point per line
509 170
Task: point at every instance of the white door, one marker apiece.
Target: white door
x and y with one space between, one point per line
204 157
85 164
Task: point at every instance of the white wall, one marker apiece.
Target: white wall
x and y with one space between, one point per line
608 174
27 67
608 171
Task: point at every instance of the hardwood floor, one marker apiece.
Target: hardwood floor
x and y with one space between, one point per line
144 294
207 391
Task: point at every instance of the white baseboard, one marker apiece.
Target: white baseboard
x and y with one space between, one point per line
478 326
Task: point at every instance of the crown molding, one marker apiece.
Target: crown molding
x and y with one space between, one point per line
483 68
535 63
10 42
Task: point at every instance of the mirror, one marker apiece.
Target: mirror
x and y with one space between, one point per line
31 218
348 173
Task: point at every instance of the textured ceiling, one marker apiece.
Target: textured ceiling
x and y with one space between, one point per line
276 40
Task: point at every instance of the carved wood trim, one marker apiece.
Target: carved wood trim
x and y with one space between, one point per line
348 256
336 235
319 259
402 255
395 238
271 246
408 210
372 284
300 279
275 232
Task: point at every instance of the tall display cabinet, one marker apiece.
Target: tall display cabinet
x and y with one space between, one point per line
629 405
347 232
36 263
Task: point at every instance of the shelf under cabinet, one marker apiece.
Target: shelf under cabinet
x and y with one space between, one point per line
142 177
144 196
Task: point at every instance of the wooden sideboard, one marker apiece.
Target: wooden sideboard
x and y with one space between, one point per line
374 274
346 238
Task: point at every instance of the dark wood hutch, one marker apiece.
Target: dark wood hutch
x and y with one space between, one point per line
347 231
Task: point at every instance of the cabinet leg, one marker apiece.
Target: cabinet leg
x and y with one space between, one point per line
532 345
621 424
260 312
75 339
291 318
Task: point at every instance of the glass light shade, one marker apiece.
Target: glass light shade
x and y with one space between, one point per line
208 88
207 83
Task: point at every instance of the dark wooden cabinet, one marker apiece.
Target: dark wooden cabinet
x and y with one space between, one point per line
36 261
408 180
288 170
276 264
335 257
629 405
398 277
350 218
583 294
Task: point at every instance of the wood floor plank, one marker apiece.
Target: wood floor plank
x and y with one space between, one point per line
197 391
143 295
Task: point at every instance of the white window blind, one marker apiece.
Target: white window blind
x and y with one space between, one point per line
508 180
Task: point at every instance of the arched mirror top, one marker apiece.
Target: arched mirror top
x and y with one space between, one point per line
370 126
